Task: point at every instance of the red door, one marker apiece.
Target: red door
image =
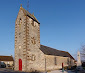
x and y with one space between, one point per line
20 64
62 65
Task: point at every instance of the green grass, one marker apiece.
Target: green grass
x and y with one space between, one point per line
84 68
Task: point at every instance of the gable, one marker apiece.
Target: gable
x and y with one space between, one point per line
26 13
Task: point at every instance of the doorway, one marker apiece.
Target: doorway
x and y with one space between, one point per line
20 65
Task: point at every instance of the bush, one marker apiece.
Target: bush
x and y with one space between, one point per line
83 64
70 67
65 68
73 67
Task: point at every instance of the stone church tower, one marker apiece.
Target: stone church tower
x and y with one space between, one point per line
28 56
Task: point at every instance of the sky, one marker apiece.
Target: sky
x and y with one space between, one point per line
62 23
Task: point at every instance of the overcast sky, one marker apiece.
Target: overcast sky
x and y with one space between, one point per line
62 23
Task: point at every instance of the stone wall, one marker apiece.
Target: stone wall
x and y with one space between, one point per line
9 62
35 56
20 40
72 62
52 64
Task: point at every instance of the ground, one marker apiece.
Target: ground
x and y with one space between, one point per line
60 71
67 71
3 70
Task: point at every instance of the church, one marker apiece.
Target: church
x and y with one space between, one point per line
30 55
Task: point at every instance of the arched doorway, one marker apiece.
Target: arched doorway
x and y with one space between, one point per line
20 64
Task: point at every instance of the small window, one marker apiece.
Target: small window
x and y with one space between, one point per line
19 47
7 62
20 22
55 60
33 57
68 61
33 24
33 40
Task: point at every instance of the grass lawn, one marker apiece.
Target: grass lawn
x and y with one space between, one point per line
84 68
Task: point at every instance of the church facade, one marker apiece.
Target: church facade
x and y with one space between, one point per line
30 55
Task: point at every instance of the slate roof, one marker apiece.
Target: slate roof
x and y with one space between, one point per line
29 14
6 58
51 51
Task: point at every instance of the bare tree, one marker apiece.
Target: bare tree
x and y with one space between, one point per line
83 51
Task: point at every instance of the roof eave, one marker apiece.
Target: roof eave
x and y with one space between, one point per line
33 19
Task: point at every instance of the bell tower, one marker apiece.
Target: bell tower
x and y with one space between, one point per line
27 40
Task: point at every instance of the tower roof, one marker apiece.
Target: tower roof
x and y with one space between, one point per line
29 14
